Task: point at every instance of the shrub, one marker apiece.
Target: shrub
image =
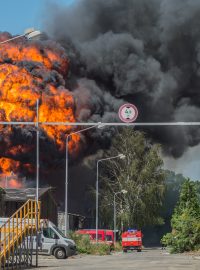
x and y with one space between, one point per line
85 246
118 246
100 249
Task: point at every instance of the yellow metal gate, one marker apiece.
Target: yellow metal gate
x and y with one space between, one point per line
17 235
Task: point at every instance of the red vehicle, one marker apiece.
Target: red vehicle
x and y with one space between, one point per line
132 240
104 236
109 237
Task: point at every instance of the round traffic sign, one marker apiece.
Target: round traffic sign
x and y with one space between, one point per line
128 113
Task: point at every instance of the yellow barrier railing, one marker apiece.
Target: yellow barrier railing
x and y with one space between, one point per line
22 223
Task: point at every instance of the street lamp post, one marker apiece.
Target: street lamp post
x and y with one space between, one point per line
100 125
37 175
121 156
124 192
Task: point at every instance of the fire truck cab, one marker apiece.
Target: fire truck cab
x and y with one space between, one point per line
132 240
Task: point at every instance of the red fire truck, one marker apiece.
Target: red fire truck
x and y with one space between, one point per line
132 240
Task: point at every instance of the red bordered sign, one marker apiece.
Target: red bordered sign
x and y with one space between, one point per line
128 113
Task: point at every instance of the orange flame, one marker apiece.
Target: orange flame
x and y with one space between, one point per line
8 176
13 183
8 165
31 71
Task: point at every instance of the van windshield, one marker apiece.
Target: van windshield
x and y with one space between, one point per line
59 231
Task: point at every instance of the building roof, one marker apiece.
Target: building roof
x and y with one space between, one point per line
23 194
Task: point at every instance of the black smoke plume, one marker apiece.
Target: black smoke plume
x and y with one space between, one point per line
146 52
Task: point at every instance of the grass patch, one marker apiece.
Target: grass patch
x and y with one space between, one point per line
84 245
118 247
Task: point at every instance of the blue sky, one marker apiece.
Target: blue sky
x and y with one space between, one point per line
17 15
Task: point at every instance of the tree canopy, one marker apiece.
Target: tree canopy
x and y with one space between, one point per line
185 222
140 174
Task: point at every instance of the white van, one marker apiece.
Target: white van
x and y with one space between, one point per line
53 242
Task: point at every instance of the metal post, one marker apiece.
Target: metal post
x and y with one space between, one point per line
37 153
66 187
6 184
114 220
37 176
97 201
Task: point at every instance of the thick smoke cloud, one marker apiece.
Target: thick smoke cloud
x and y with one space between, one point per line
146 52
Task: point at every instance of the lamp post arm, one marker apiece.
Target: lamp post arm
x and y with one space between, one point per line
116 193
2 42
80 131
109 158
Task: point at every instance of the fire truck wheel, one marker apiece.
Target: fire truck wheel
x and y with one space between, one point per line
139 250
125 250
60 253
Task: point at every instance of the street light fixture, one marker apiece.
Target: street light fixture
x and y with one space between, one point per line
100 125
123 191
121 156
32 33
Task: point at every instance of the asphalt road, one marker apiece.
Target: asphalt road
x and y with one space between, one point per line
151 259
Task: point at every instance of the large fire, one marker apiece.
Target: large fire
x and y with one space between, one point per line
31 70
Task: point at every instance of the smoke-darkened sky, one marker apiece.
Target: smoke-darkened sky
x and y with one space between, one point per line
145 52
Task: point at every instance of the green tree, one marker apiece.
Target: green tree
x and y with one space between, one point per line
197 183
185 222
140 173
173 184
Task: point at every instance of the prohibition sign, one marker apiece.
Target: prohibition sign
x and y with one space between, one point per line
128 113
